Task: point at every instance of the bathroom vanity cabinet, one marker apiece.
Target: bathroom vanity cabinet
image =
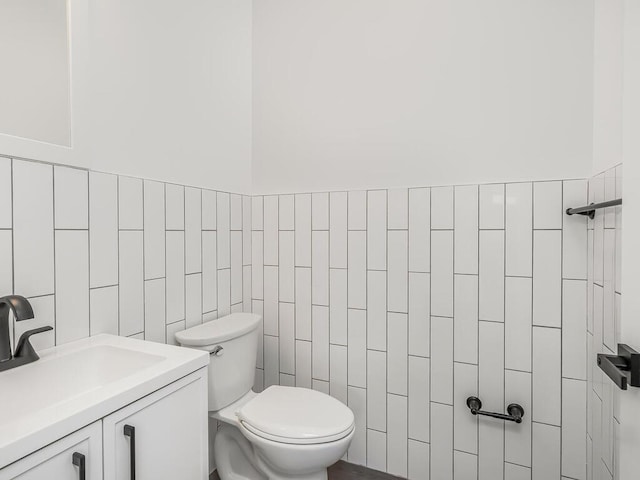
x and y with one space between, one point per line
165 438
56 461
169 429
154 433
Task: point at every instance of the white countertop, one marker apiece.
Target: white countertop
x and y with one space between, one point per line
78 383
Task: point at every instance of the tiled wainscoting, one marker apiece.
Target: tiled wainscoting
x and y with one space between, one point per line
402 303
98 253
604 292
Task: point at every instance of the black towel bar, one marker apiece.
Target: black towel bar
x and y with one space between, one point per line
590 210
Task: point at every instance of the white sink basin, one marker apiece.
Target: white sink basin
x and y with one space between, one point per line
78 383
62 378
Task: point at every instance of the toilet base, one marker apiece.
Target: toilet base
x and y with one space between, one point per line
234 456
236 459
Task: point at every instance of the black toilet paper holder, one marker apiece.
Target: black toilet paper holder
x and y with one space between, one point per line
624 368
514 413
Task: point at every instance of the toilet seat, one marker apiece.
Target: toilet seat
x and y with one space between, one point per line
296 441
296 415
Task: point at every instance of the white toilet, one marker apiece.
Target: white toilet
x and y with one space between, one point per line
283 433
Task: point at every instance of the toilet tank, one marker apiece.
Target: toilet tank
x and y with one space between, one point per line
232 342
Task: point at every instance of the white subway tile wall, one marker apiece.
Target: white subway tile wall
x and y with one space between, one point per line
101 253
603 295
407 301
400 303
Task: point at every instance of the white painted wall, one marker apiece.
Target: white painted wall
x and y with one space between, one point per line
607 84
379 93
159 90
172 90
345 94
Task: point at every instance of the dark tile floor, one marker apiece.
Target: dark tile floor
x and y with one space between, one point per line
346 471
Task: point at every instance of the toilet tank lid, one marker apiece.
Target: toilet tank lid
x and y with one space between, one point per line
217 331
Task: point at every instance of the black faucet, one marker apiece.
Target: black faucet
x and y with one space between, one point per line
24 353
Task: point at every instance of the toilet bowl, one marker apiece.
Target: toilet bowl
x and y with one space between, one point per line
277 447
282 433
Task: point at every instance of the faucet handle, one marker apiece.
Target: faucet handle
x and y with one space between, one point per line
24 347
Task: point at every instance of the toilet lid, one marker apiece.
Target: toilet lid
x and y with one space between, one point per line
296 415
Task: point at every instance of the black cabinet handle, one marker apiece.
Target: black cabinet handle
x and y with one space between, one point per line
130 432
79 461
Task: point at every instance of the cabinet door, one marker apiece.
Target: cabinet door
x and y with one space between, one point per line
56 461
161 436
